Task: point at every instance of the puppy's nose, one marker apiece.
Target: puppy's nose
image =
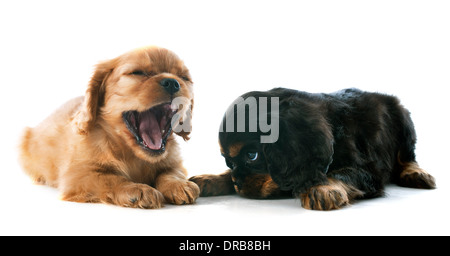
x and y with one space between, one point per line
170 85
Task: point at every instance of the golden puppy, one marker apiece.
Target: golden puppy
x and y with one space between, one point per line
116 145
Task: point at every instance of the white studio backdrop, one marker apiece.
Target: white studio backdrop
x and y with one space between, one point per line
49 48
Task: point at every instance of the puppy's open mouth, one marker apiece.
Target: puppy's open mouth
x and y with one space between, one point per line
152 127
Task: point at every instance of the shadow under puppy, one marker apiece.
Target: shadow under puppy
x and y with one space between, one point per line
326 149
116 145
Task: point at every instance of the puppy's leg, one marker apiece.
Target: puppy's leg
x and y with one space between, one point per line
214 185
344 186
367 183
176 188
109 187
334 195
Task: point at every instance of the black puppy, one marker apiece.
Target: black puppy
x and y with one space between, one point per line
326 149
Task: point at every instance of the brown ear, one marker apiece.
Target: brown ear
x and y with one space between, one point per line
183 121
85 117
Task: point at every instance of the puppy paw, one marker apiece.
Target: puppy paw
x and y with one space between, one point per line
413 176
325 197
138 196
214 185
180 192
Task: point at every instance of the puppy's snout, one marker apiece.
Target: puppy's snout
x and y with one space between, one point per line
170 85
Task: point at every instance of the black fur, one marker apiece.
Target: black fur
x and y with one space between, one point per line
354 140
350 135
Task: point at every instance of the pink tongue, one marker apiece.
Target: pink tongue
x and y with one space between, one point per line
150 131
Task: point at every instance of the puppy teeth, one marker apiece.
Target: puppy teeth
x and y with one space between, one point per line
173 107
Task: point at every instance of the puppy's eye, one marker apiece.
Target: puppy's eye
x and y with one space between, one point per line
185 78
138 73
252 156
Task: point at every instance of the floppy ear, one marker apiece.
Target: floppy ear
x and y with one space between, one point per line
85 117
304 151
182 120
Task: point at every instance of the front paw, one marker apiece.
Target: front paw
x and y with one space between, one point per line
214 185
180 192
205 183
138 196
325 197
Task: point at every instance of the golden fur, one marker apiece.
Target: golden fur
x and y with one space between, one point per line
86 151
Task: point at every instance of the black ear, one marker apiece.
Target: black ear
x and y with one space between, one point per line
304 151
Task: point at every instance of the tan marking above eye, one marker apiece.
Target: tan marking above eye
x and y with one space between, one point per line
235 149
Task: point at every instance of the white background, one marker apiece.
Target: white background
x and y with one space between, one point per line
48 50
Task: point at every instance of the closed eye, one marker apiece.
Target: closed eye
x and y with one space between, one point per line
138 73
143 73
185 76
